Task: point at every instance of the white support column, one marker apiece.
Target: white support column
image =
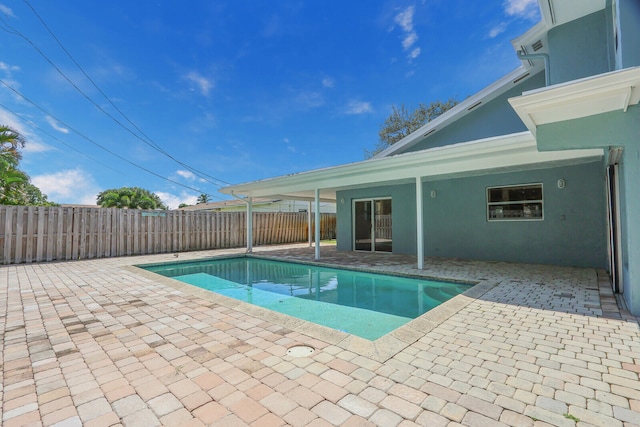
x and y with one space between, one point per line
317 203
309 223
249 225
420 226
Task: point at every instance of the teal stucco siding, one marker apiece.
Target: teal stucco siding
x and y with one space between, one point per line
495 118
572 233
403 208
629 39
612 129
580 48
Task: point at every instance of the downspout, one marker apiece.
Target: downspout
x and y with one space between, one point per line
249 221
545 56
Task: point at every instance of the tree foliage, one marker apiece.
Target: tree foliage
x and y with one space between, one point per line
15 185
402 122
202 198
131 198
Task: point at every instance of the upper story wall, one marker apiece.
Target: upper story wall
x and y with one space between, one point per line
494 118
580 48
628 29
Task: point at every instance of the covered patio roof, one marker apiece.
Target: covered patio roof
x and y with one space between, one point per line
504 153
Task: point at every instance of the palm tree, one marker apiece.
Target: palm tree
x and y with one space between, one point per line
12 179
10 141
202 198
129 197
15 185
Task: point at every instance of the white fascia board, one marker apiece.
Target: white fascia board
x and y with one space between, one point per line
612 91
510 151
462 109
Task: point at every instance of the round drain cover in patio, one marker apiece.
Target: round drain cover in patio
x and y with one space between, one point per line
300 351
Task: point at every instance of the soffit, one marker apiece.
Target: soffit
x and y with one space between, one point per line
554 13
563 11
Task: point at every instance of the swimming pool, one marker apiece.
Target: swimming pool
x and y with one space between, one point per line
364 304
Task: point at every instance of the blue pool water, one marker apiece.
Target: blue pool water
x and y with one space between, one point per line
364 304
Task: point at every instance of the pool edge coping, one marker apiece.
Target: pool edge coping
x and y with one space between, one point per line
379 350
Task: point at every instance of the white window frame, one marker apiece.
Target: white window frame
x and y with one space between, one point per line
515 202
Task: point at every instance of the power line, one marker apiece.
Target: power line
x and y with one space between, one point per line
146 140
101 146
31 123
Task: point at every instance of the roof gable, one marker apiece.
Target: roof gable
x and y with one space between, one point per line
554 13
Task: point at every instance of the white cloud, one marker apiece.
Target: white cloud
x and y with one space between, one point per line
289 146
33 143
6 11
6 67
515 10
521 8
9 119
358 107
328 82
204 84
69 186
173 200
54 124
35 146
186 175
409 40
405 20
497 30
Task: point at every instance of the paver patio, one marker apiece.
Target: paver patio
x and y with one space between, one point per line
98 343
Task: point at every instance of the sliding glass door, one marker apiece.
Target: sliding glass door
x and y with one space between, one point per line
372 225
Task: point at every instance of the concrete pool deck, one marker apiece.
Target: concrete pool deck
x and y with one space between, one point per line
98 343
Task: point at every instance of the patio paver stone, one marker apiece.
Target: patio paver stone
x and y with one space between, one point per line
101 343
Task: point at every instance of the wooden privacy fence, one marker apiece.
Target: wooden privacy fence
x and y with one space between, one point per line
33 234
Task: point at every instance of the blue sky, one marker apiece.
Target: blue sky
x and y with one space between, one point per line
180 97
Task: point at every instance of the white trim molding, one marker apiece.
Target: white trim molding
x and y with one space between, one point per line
599 94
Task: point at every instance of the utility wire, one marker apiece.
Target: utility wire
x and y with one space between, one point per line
101 146
146 140
32 124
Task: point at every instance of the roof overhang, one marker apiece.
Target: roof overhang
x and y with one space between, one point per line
599 94
491 155
462 109
553 13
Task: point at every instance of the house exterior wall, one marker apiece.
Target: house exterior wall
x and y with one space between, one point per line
615 128
403 211
629 40
580 48
494 118
572 233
